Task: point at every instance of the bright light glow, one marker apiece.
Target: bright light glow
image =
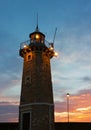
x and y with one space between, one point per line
55 54
25 46
68 94
51 48
37 36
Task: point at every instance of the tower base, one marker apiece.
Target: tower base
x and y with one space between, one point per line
36 116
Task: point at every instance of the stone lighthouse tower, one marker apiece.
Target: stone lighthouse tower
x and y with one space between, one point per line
36 110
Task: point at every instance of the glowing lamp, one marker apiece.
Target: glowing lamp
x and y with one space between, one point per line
68 94
37 36
55 54
24 46
51 48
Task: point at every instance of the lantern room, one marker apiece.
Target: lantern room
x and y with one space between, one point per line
37 36
38 43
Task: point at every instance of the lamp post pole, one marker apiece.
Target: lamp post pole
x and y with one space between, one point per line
68 105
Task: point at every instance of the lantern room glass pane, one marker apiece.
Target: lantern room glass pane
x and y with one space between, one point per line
37 37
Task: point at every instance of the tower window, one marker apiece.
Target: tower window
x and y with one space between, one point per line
29 57
27 78
28 81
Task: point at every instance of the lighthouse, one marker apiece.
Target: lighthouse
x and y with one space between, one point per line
36 109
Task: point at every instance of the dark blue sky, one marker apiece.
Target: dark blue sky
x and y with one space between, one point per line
71 70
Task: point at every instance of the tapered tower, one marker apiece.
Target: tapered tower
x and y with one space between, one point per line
36 110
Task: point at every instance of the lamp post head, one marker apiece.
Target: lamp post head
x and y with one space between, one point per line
68 94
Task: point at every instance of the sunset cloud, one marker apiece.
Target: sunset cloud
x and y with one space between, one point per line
8 112
79 107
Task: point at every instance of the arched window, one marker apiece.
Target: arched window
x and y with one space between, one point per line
29 57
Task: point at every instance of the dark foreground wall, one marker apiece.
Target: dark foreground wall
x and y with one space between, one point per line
58 126
8 126
73 126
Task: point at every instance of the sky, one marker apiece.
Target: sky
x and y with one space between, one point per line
71 70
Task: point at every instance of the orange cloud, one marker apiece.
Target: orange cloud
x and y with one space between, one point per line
79 108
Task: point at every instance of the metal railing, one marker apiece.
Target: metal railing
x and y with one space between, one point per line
26 43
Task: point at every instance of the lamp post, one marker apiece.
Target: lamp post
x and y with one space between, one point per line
68 105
